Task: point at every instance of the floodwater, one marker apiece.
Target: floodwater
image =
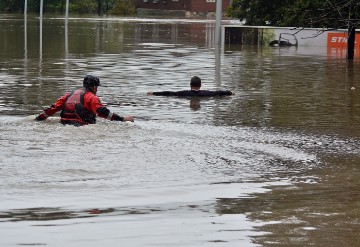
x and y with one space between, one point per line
276 164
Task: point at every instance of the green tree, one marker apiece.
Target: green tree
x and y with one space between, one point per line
260 12
123 7
11 5
334 14
325 14
298 13
116 7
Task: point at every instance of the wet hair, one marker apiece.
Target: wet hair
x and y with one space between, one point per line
195 82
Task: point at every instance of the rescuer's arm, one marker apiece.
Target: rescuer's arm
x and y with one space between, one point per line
105 113
57 106
97 107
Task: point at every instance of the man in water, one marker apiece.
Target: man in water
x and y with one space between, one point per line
195 85
81 106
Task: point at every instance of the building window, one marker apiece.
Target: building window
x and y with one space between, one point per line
145 1
155 1
210 1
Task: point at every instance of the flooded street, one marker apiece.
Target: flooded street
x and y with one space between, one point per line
276 164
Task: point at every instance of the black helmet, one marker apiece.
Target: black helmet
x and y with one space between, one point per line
91 81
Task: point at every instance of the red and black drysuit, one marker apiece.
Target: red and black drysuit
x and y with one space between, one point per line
79 107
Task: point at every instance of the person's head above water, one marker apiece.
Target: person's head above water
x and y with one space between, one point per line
91 82
195 83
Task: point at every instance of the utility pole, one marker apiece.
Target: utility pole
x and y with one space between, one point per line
41 9
218 22
25 9
67 10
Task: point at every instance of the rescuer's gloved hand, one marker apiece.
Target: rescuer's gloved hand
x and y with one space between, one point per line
41 117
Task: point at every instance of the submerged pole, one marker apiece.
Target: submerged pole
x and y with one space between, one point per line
41 9
25 9
25 20
218 22
67 10
25 29
41 27
66 27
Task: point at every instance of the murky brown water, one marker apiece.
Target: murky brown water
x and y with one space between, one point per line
277 164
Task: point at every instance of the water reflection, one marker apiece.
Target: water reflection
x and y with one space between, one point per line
195 104
218 52
292 214
52 214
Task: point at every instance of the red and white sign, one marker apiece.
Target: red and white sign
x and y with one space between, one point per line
339 40
337 43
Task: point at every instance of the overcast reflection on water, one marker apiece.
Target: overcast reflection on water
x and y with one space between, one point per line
276 164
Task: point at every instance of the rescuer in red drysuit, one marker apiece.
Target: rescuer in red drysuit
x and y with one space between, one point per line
81 106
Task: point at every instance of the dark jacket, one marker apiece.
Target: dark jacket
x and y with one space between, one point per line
195 93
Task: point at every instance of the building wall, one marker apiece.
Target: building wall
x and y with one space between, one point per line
207 5
187 5
164 4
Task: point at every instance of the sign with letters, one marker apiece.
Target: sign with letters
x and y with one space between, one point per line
337 43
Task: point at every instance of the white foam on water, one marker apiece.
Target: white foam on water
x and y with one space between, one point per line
172 174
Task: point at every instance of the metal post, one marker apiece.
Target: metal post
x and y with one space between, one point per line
218 22
67 38
66 26
67 10
25 36
41 9
25 9
41 27
25 26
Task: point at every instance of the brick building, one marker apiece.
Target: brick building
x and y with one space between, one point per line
185 6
